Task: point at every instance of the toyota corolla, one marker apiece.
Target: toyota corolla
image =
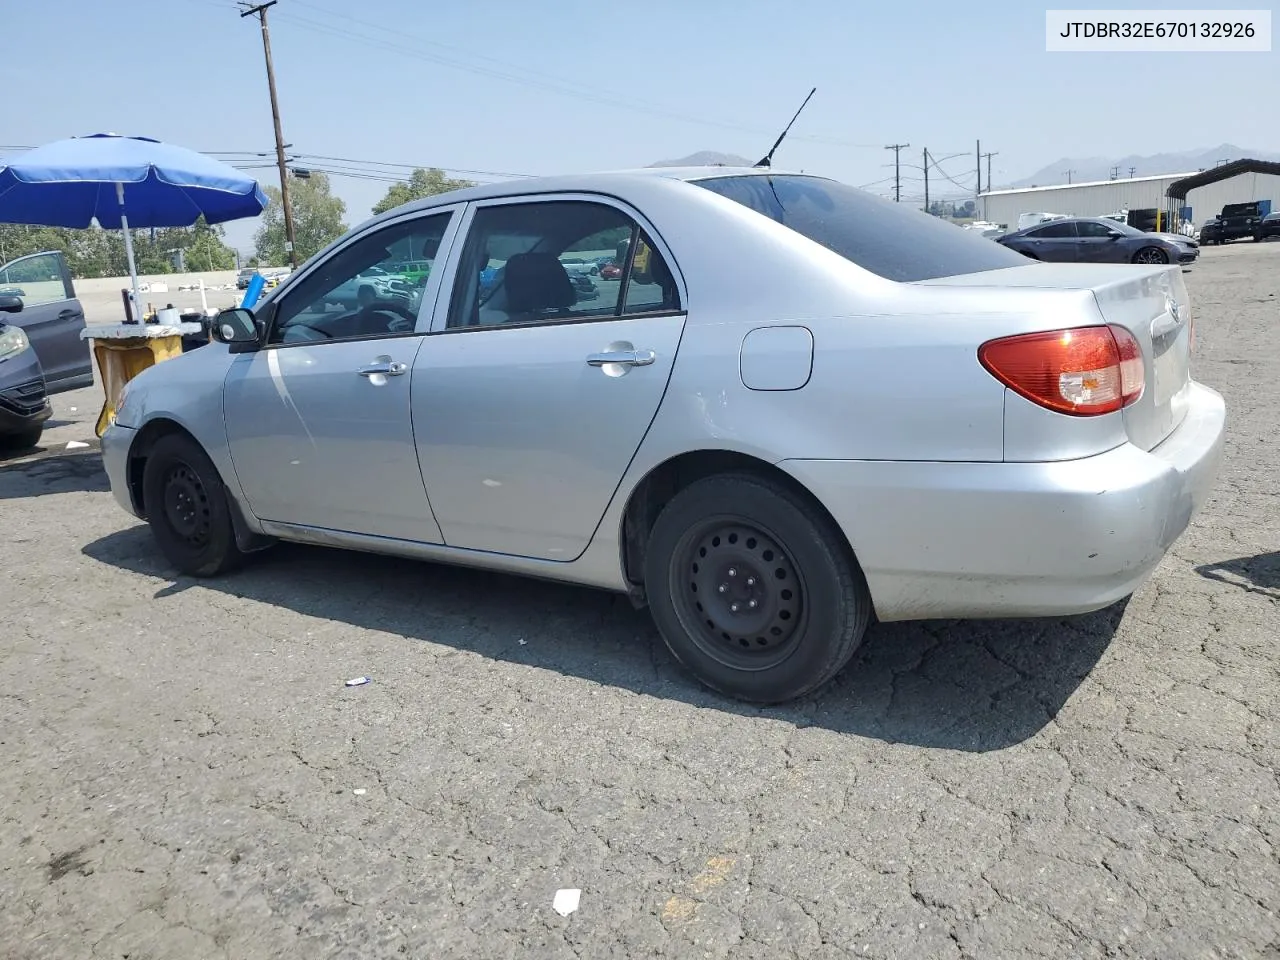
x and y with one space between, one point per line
800 408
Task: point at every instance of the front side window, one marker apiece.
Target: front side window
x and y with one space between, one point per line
35 279
1088 228
365 289
539 262
888 239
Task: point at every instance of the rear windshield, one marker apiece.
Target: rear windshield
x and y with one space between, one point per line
891 240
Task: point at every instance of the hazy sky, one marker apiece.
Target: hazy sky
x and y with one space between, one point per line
533 87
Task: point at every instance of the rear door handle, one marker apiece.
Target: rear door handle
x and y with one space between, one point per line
632 358
68 314
388 368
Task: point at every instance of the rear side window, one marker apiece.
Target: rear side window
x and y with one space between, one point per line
889 239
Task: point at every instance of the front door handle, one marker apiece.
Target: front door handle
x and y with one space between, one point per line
388 368
632 358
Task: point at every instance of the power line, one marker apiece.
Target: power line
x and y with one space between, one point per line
527 79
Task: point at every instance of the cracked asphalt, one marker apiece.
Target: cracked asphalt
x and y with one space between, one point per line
186 775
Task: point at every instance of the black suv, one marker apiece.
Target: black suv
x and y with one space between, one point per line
1239 220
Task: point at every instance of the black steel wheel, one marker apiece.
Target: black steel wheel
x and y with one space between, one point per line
1151 255
753 588
187 508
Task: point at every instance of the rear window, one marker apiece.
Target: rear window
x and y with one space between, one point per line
889 239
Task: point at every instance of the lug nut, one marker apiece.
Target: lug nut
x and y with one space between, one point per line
723 587
751 581
751 604
733 607
733 572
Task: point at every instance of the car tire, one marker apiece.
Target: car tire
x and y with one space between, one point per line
187 508
22 441
1151 255
742 539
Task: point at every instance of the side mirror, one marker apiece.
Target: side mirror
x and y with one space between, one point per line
234 327
10 304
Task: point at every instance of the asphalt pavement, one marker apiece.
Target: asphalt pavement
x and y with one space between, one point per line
187 776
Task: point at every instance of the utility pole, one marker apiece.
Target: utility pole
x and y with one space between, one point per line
897 170
977 193
1069 173
988 157
926 179
1131 170
1115 173
290 247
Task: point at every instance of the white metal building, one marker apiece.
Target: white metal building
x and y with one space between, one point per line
1241 181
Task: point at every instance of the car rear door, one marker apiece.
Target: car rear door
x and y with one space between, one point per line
1055 242
51 317
528 404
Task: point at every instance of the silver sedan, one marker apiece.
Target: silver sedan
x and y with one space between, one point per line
797 408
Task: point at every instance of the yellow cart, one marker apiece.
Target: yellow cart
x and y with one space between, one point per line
123 350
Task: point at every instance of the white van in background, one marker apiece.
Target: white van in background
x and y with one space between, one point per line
1031 219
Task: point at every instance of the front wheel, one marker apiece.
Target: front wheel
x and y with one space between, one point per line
1150 255
753 589
187 509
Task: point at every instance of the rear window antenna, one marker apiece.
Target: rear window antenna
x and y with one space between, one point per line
767 159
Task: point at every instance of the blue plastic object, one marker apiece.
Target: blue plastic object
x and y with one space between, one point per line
70 183
253 291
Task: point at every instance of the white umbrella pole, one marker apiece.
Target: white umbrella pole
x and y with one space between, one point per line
128 252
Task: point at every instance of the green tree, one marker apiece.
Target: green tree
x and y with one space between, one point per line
317 220
422 183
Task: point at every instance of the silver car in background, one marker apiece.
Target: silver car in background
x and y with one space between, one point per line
797 408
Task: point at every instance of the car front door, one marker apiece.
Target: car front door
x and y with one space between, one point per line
51 317
318 419
532 396
1100 243
1054 242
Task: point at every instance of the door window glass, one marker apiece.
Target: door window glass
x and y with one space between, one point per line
540 262
35 280
372 288
1090 229
1054 231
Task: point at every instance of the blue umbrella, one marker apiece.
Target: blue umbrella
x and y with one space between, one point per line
122 182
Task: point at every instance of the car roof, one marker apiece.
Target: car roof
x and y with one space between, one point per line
607 182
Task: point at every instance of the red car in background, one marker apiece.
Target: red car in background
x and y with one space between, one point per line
610 271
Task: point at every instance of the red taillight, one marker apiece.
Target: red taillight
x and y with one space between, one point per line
1083 371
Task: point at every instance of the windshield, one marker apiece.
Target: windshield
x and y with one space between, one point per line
1125 228
1239 210
889 239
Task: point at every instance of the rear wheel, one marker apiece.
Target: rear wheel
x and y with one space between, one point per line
186 507
1150 255
753 589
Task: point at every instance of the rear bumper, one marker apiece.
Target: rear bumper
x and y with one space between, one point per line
986 540
115 460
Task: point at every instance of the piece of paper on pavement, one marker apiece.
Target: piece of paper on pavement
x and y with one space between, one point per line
566 901
76 444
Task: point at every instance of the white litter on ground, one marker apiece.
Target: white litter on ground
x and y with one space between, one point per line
76 444
359 791
359 681
566 901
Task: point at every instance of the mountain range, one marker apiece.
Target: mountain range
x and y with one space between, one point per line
1083 169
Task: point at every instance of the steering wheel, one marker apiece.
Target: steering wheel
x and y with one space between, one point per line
408 317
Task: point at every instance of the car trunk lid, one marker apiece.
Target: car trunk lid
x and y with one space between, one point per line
1151 303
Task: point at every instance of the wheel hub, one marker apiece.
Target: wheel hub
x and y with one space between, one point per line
743 589
186 505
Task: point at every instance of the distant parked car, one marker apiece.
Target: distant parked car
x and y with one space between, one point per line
24 401
1099 240
1269 227
808 408
51 316
576 265
1240 220
244 276
1210 232
610 271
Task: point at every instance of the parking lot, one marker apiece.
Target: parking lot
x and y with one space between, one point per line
187 775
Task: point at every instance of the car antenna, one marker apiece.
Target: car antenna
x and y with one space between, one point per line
767 159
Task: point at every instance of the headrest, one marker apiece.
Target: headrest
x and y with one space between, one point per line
537 281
